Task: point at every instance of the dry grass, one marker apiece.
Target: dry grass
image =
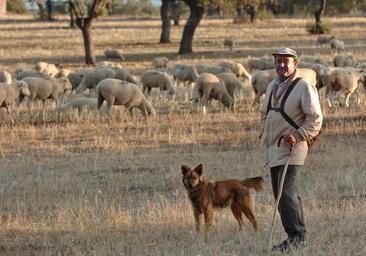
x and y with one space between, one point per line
77 186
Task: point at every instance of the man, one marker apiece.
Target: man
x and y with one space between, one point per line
297 121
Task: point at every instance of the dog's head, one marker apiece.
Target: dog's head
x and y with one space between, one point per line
192 177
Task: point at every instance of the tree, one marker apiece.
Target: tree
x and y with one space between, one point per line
84 15
196 9
165 30
317 15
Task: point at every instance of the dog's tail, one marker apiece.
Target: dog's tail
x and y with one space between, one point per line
257 183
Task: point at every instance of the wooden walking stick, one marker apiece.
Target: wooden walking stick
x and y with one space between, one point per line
279 194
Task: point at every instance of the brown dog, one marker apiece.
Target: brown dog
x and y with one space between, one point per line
206 195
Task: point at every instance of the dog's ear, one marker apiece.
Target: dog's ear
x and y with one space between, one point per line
185 169
199 169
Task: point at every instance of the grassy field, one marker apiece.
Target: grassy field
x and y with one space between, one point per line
78 186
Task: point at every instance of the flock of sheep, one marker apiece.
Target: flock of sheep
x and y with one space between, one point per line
115 85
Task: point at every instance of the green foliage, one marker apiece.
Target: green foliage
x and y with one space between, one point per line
16 6
323 28
135 8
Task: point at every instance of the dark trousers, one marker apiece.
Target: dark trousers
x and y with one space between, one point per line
290 205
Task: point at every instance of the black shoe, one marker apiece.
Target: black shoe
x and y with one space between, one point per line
296 243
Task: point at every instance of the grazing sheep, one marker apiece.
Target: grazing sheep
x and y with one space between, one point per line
21 69
160 62
31 73
361 65
63 72
305 65
91 79
5 77
229 43
324 39
337 45
208 87
262 78
113 54
109 64
232 83
237 69
262 63
46 89
212 69
156 79
10 92
183 73
83 103
343 61
75 77
117 92
47 68
313 59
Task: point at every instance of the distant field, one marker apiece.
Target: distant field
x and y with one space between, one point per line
78 186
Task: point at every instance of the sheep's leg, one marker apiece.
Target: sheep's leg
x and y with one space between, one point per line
329 96
346 100
256 100
10 117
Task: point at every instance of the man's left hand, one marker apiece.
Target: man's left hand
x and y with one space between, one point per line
290 138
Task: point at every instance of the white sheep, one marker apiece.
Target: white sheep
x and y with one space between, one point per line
47 89
5 77
63 72
337 45
83 103
31 73
313 59
212 69
232 83
262 78
156 79
208 87
361 65
237 68
91 79
113 54
109 64
160 62
262 63
76 76
229 43
185 74
343 61
10 92
47 68
325 39
117 92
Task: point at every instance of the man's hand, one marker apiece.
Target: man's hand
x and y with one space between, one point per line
290 138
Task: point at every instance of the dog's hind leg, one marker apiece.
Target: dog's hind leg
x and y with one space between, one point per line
248 212
238 215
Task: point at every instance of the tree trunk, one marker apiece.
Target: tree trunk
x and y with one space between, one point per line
49 9
165 29
196 14
318 14
85 26
252 13
41 10
72 19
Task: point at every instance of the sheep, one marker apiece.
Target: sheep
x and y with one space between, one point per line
157 79
160 62
361 65
83 103
337 45
47 68
212 69
313 59
109 64
5 77
305 65
117 92
262 63
75 77
113 54
10 92
232 83
183 73
208 87
237 69
91 79
31 73
262 78
63 72
324 39
230 43
46 89
343 61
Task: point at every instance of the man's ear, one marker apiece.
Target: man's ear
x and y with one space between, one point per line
199 169
185 169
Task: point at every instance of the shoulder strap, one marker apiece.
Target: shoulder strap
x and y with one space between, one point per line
269 104
282 107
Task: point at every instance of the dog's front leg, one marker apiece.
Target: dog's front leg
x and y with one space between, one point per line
208 221
197 218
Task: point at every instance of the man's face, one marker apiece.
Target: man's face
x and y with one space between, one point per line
285 65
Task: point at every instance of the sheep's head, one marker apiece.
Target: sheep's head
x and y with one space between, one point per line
65 84
23 88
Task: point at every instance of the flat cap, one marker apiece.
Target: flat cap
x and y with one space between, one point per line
285 52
